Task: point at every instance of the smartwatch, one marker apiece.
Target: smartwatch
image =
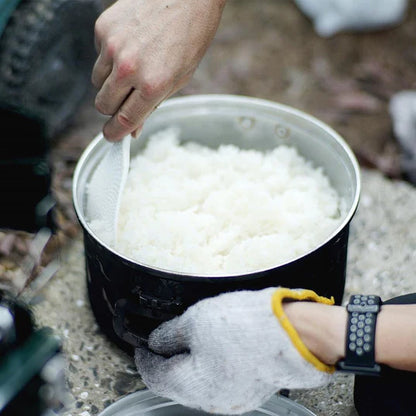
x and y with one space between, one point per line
360 338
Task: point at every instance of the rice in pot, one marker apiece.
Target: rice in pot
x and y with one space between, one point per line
193 209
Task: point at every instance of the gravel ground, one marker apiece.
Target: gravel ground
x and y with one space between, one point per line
381 260
265 49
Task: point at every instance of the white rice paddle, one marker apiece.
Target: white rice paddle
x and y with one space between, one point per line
105 190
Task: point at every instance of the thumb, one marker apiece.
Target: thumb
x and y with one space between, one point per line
164 376
171 337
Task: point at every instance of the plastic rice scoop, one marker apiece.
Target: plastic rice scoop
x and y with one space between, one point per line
105 190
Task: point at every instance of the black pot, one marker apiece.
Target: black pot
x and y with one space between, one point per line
130 299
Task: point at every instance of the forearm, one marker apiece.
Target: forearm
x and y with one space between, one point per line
396 337
322 328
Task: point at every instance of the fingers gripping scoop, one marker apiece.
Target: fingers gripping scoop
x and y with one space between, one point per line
105 190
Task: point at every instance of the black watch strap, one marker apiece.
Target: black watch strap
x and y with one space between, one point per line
360 338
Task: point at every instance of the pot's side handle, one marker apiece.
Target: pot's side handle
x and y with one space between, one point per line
127 311
121 308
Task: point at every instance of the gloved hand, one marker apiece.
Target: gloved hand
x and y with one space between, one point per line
229 354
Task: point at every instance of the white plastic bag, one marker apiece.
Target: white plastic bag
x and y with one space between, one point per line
403 113
334 16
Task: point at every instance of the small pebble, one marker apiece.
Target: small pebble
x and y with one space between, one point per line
366 200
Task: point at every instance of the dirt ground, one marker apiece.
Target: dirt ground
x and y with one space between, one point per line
268 49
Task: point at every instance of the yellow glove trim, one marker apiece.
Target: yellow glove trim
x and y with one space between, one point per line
277 307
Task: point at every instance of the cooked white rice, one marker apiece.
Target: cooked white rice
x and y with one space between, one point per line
198 210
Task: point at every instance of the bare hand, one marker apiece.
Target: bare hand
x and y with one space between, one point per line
148 50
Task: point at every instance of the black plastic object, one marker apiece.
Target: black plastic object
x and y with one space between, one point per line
46 57
20 381
25 174
130 300
31 366
22 327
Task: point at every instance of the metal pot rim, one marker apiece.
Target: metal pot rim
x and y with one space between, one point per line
224 98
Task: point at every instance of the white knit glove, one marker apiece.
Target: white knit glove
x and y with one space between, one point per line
229 354
334 16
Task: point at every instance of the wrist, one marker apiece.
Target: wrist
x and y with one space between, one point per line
321 328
